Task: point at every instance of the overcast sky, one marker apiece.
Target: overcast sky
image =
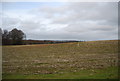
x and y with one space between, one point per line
62 20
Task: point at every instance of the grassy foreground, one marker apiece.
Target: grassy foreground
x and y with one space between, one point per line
107 73
83 60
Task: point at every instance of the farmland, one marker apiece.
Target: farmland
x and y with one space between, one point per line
79 60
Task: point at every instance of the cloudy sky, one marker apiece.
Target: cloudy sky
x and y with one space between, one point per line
62 20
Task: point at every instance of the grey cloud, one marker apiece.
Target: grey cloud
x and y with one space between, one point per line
104 28
91 11
9 22
82 21
28 24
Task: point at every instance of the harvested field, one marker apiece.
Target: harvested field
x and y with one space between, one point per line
93 59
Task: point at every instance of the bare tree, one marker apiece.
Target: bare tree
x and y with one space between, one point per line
5 37
0 36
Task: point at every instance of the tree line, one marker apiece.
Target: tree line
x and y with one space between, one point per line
13 37
18 37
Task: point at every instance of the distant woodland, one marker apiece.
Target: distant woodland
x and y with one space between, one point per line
18 37
13 37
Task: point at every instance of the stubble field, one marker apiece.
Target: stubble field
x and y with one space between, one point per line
83 60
